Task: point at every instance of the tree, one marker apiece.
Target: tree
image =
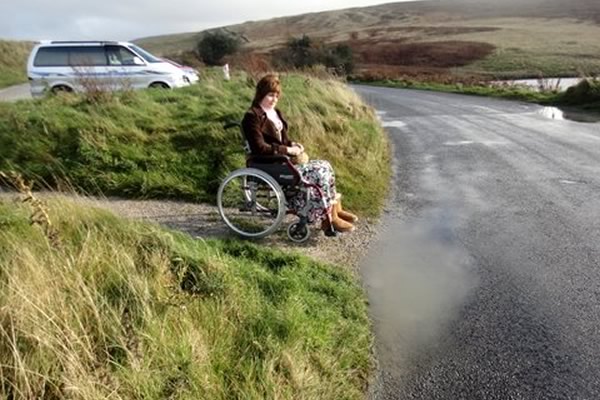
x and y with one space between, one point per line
214 46
301 53
341 58
304 52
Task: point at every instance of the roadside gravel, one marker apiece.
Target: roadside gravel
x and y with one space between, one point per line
203 221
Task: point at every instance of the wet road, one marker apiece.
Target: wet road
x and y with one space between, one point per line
485 280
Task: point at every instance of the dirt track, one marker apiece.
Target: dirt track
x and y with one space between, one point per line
203 221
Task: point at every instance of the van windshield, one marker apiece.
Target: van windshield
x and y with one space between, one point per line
145 55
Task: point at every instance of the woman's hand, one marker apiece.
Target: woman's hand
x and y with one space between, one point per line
294 150
295 144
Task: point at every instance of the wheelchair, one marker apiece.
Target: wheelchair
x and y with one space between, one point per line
254 201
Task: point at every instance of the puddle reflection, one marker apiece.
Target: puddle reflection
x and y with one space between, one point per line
569 114
552 113
417 277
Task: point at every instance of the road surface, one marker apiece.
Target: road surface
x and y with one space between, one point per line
485 281
13 93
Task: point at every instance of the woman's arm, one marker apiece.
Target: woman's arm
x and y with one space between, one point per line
284 137
252 131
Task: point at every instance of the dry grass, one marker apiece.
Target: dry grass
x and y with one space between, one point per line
13 60
129 311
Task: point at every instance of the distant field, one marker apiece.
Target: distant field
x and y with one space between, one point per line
463 37
13 62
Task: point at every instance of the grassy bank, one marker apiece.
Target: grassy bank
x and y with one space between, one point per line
171 144
114 309
13 62
584 96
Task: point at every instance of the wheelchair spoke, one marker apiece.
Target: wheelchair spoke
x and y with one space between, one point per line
252 205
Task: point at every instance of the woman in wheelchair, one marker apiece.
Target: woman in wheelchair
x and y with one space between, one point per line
265 130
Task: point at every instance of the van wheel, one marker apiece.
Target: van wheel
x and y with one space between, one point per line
159 85
61 89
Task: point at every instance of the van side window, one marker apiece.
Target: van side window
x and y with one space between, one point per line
52 57
118 55
87 56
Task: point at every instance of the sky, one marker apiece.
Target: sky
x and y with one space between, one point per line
132 19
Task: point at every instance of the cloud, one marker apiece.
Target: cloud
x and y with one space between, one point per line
129 19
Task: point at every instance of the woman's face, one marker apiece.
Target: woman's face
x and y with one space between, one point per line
270 100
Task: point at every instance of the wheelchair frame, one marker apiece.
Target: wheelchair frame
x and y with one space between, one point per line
280 178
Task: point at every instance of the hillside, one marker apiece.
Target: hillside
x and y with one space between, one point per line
13 62
509 38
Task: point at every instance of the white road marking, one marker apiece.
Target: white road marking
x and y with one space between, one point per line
393 124
490 143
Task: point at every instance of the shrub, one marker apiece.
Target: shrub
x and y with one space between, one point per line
303 52
340 58
214 46
586 91
300 52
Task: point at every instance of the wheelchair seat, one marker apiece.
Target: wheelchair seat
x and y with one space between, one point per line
278 166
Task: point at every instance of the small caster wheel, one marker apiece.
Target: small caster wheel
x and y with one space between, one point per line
298 232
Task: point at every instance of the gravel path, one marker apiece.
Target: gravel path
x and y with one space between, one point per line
203 220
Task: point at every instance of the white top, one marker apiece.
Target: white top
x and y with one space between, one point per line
272 115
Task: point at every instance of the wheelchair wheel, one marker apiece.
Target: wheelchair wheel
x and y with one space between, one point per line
251 203
298 232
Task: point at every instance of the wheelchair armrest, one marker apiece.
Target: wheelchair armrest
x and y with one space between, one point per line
265 159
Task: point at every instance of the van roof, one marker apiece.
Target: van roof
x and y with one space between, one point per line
79 42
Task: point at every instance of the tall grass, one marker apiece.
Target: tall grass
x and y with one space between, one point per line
13 59
125 310
171 144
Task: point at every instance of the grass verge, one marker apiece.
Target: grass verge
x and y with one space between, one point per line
171 144
13 60
124 310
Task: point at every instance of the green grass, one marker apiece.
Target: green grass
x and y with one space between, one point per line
13 60
171 144
126 310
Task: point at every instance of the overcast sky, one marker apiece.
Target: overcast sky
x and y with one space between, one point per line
131 19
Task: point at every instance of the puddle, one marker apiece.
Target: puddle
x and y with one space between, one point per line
552 113
569 114
417 278
537 84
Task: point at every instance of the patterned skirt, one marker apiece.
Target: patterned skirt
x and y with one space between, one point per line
320 173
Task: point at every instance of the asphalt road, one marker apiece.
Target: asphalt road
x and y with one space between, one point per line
485 280
13 93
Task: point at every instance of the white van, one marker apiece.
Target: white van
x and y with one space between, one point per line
78 65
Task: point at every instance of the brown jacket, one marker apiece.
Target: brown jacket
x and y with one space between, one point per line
261 134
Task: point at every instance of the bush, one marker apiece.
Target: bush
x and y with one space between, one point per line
340 58
586 91
304 52
214 46
301 52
